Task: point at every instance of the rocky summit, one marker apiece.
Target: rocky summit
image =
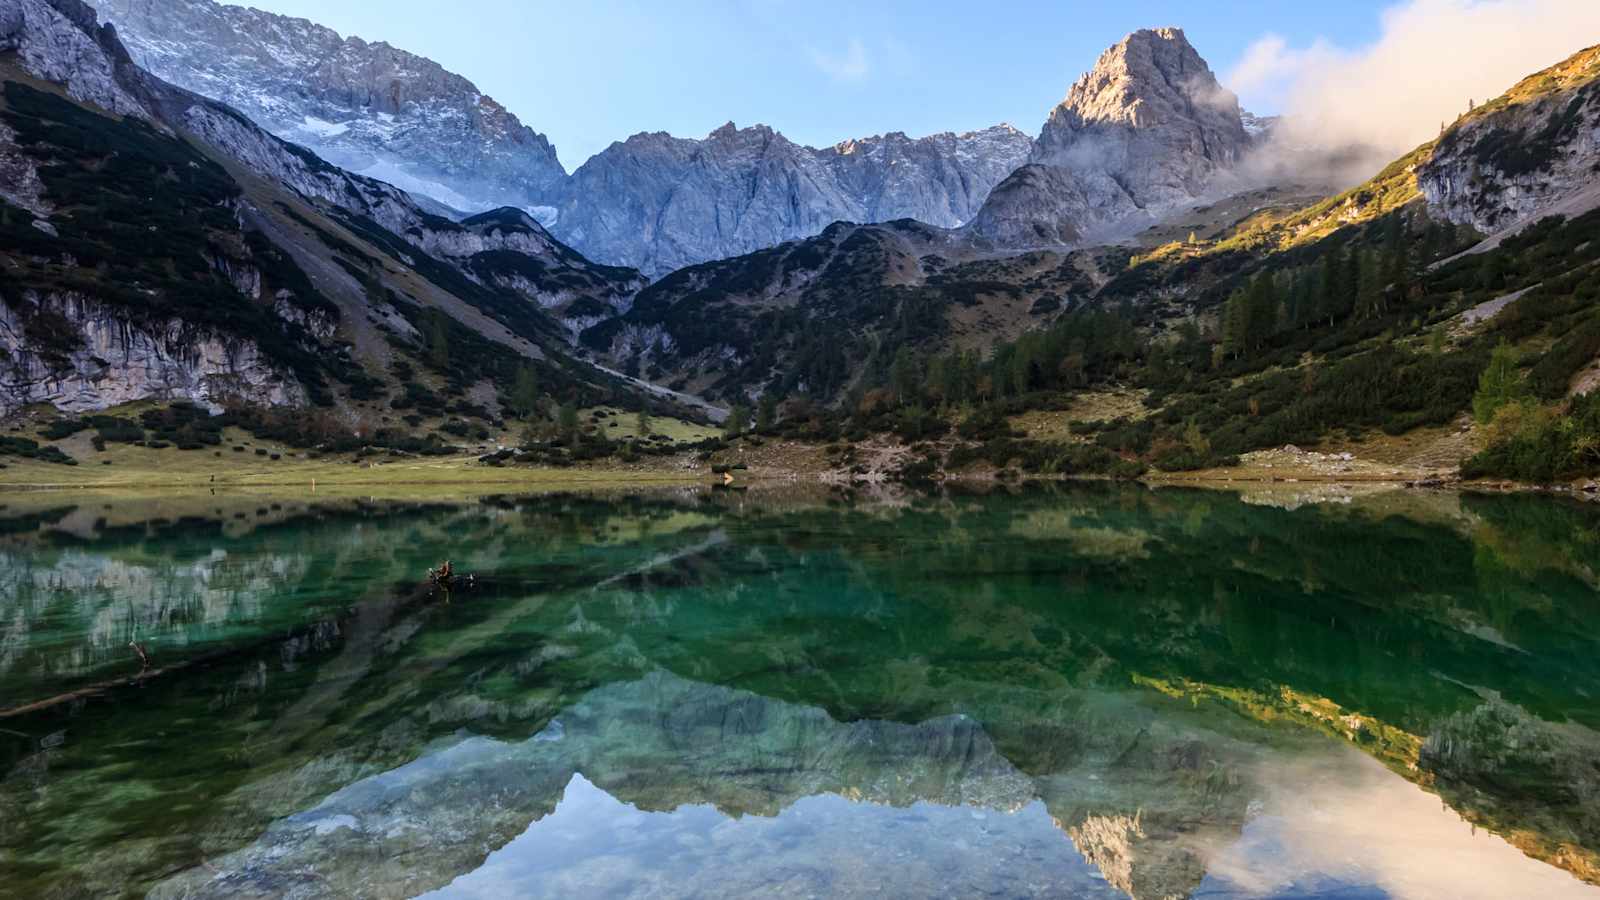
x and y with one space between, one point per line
1145 131
367 107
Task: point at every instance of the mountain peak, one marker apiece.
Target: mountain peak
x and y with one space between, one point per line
1164 35
729 131
1145 130
1150 76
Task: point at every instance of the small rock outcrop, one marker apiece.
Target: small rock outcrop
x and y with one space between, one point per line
1530 153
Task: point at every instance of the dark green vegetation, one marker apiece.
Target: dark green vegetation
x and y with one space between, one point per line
1535 431
817 317
1357 331
30 449
1532 442
1063 623
146 226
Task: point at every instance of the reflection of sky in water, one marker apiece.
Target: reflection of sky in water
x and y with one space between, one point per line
822 846
1344 827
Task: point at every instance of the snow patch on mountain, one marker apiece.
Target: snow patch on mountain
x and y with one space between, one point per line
367 107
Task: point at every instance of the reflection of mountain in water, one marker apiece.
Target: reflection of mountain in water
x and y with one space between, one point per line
1093 650
657 744
666 787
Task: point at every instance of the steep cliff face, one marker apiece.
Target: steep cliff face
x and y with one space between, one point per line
126 273
63 43
113 360
941 179
1532 152
1145 131
659 203
367 107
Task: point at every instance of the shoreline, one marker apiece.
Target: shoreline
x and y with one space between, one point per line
172 472
590 478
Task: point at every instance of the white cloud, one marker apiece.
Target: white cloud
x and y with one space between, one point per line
852 65
1431 57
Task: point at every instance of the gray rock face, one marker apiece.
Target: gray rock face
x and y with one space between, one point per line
658 203
1145 131
1529 154
652 202
119 362
367 107
61 42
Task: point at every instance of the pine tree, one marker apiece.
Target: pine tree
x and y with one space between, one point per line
905 376
643 426
1236 325
1263 311
1349 282
1396 257
1022 368
567 421
1499 385
525 392
1492 273
935 383
767 412
1369 285
439 341
738 420
1322 295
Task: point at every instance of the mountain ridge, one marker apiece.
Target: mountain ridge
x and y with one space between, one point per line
340 102
658 202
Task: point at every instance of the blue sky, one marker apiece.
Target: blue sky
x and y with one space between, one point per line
590 72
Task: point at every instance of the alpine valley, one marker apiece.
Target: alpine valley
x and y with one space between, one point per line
344 244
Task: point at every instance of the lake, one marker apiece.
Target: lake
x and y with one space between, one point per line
1065 691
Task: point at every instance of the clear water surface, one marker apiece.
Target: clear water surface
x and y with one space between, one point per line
1083 691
